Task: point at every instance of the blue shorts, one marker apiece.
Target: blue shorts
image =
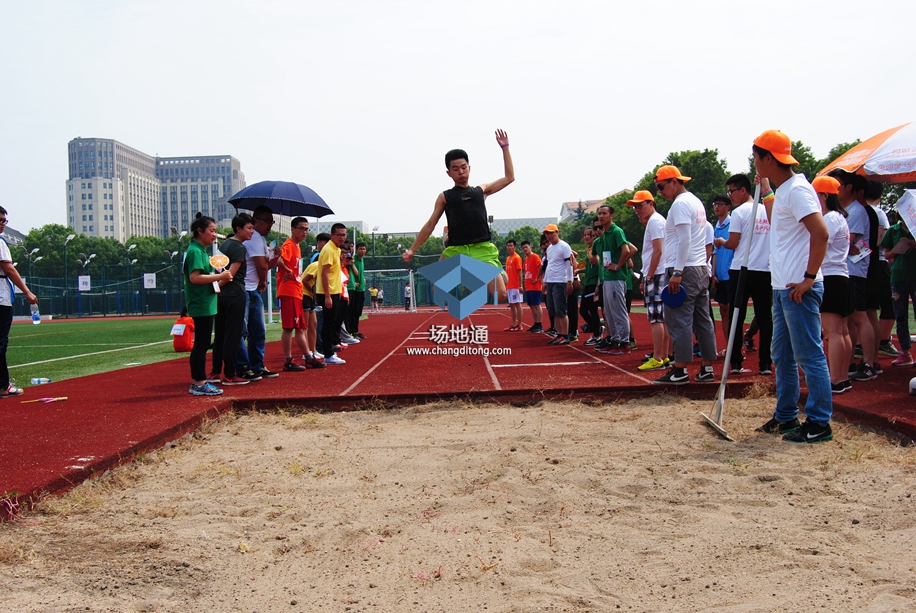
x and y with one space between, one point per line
533 298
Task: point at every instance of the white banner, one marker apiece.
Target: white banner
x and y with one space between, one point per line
84 283
149 280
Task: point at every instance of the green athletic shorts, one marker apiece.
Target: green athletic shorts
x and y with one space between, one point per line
485 252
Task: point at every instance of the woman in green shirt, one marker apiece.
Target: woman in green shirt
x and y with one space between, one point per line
200 298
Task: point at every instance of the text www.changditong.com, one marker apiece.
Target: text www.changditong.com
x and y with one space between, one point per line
459 351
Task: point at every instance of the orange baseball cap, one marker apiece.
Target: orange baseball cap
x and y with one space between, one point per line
641 196
669 172
826 185
551 227
778 144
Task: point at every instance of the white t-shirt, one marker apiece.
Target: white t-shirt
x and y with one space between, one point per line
254 246
837 245
882 223
559 269
655 229
686 209
760 246
6 290
710 237
857 220
789 238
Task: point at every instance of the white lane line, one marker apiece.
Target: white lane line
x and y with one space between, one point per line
83 355
486 361
626 372
391 353
593 362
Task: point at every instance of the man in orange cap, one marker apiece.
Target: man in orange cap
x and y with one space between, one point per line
653 272
798 243
685 261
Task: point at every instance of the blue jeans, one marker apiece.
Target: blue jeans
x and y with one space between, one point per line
902 292
797 342
252 357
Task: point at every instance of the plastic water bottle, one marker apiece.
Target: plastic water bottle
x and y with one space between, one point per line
36 317
40 380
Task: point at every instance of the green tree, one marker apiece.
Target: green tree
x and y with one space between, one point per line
707 174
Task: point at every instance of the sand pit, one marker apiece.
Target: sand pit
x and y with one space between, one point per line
454 507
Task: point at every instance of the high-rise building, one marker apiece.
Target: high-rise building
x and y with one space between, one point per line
116 191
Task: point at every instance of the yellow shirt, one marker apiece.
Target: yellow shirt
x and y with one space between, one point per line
330 256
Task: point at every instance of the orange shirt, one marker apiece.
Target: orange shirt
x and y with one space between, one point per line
532 270
513 270
291 287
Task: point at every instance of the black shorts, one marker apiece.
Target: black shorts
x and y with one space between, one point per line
308 303
857 291
722 292
878 289
837 297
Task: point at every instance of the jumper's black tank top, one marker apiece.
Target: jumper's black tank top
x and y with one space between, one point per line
466 213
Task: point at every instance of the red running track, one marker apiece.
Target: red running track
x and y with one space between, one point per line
111 417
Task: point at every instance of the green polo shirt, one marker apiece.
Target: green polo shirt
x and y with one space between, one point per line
904 266
611 241
199 298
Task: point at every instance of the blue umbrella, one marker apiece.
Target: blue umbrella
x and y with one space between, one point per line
283 198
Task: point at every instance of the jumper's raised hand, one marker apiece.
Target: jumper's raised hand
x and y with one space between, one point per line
502 138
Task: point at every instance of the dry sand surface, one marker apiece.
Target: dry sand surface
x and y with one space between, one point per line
636 506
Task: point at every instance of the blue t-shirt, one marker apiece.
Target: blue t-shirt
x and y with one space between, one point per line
724 256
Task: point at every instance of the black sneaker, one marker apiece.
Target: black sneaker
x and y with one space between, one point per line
877 368
736 369
360 336
249 375
838 388
267 374
536 328
847 384
864 372
293 366
705 375
853 369
779 427
675 376
809 432
551 332
886 348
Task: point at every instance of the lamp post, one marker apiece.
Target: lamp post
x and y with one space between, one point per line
69 238
129 248
374 263
32 260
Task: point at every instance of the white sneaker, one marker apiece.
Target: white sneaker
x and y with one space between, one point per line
334 360
318 356
349 340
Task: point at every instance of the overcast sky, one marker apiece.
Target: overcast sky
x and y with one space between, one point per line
360 99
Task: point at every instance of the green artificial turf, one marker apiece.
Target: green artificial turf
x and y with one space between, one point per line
67 349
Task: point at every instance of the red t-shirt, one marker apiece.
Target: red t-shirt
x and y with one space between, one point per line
532 269
513 270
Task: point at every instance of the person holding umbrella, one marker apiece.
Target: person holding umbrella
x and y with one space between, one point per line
466 211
